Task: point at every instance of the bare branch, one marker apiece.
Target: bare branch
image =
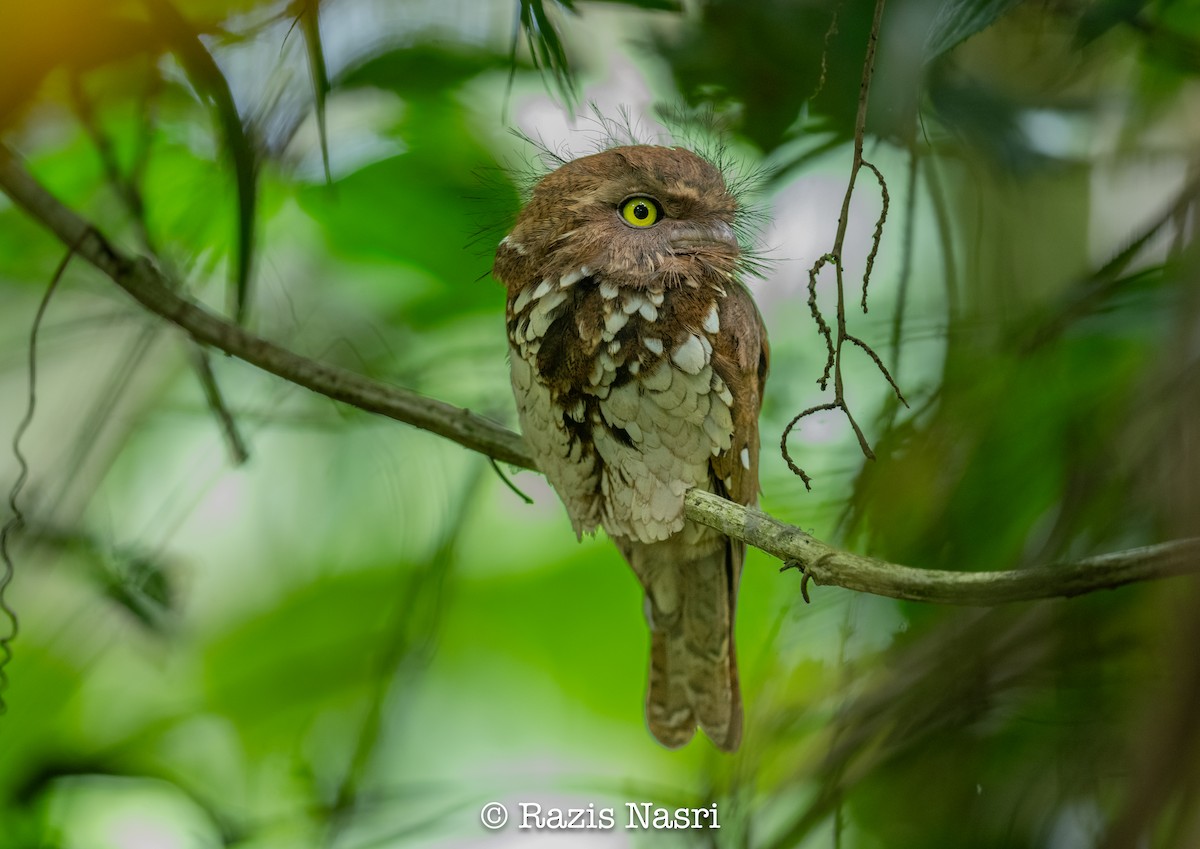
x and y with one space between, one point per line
146 284
825 565
820 562
833 362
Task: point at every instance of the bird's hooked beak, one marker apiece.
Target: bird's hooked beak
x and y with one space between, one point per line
717 234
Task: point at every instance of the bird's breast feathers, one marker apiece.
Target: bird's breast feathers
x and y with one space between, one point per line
624 393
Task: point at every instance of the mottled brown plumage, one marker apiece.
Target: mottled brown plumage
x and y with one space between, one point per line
638 363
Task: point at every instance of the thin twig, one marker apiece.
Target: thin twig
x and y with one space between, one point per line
216 403
877 237
507 481
902 283
833 362
941 217
830 32
787 430
126 188
863 444
822 324
407 650
879 364
88 439
16 521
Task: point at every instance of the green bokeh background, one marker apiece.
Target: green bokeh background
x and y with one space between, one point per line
361 635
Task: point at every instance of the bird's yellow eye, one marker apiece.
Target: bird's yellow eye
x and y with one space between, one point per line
640 211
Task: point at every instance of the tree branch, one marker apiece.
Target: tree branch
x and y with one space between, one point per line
148 287
825 565
821 563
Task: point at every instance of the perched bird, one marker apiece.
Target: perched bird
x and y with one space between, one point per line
638 361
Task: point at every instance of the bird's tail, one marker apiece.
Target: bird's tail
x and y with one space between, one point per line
690 603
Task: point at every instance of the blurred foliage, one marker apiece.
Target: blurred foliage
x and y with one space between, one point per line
360 636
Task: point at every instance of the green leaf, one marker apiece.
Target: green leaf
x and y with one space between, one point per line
263 670
957 20
420 71
655 5
545 46
428 214
210 83
143 588
1099 18
310 22
760 62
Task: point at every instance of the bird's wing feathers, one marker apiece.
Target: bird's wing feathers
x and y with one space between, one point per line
742 360
691 579
548 332
569 464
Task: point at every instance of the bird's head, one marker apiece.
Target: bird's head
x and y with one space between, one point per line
641 215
